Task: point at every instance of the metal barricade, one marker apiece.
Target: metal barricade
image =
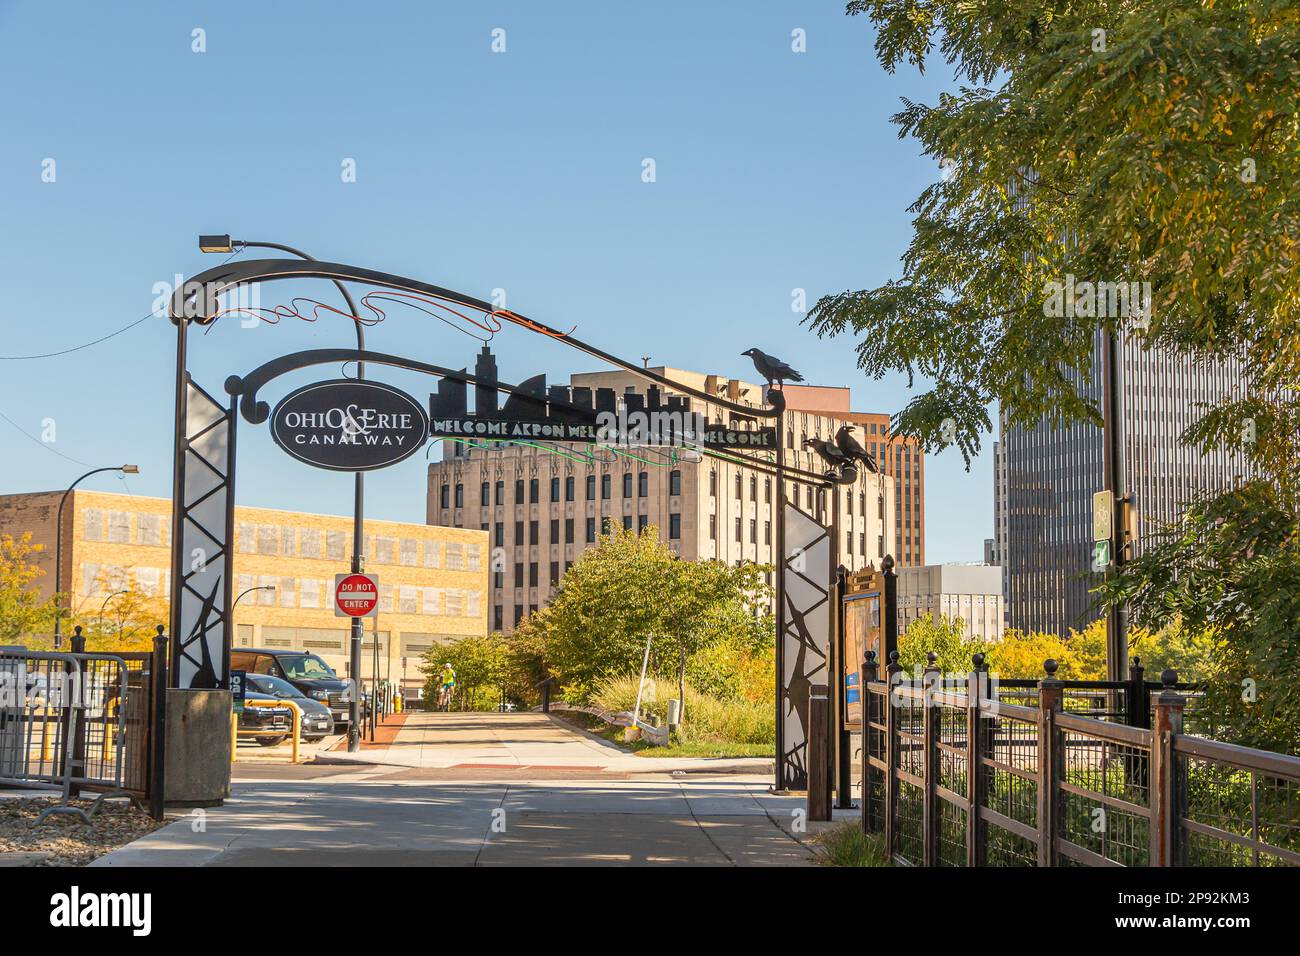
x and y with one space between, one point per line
62 723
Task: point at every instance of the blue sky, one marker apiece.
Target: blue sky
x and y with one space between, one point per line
474 170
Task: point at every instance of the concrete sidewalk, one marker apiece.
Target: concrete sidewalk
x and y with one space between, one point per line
352 822
524 741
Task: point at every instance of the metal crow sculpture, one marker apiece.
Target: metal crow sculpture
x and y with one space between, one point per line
829 453
852 449
772 368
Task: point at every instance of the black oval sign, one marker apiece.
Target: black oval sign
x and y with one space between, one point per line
349 425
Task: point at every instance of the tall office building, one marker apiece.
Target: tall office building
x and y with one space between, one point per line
901 459
1045 479
543 503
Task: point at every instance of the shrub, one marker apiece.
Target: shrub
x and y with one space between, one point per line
707 717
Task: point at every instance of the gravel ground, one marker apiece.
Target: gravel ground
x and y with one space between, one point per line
67 840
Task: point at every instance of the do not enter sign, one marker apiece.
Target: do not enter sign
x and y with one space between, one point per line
356 595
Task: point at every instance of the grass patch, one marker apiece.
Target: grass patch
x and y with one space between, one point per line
676 748
844 844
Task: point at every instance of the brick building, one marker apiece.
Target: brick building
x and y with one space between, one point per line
433 581
542 504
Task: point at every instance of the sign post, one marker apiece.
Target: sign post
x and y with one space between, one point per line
356 595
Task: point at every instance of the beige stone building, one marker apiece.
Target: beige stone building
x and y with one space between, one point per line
543 503
971 592
433 581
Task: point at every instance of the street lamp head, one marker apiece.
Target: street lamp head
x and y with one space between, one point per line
130 469
216 244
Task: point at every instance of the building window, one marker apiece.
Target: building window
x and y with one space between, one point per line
643 484
591 487
568 531
606 481
675 526
555 531
555 573
555 488
519 613
862 543
460 496
591 530
519 534
674 482
738 537
753 487
739 487
519 575
532 574
713 484
713 527
753 531
627 522
568 488
767 490
532 490
485 494
627 484
444 496
499 534
532 533
498 618
501 492
642 522
519 491
767 532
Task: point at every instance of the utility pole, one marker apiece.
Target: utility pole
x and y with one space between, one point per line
1113 481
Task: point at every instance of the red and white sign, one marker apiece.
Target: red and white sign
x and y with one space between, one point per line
356 595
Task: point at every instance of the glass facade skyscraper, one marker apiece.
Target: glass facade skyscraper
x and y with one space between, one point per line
1046 478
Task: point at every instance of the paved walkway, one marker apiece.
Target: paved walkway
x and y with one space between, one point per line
525 741
358 819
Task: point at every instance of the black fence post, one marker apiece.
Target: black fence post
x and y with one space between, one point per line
891 755
1050 765
890 600
76 742
1139 706
158 726
1166 793
820 772
976 779
843 739
930 761
869 674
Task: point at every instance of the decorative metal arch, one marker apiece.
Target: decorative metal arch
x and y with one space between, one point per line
200 616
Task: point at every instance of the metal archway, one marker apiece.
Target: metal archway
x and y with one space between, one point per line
203 475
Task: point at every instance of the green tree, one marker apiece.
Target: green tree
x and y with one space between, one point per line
1116 141
631 587
481 664
23 612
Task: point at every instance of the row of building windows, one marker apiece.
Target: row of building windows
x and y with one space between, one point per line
283 541
490 493
286 541
533 537
315 593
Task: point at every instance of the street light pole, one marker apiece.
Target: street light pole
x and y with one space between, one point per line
104 607
58 546
358 485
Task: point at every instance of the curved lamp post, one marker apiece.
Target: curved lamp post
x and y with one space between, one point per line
104 607
226 244
263 587
58 546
